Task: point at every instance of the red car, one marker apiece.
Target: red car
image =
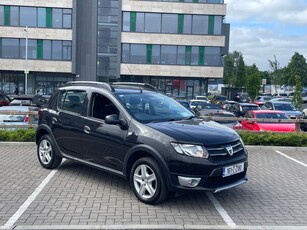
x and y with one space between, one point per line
267 126
4 99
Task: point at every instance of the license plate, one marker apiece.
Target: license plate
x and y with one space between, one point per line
233 169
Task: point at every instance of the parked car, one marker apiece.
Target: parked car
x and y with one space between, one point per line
18 116
264 98
222 119
287 99
286 107
29 100
4 99
303 95
198 103
266 125
228 104
203 98
185 104
141 135
219 99
207 109
240 109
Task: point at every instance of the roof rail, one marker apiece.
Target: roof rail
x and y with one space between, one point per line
137 84
90 83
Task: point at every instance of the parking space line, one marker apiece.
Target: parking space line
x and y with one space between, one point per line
10 223
221 210
299 162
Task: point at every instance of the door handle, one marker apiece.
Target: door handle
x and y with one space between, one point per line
54 120
87 129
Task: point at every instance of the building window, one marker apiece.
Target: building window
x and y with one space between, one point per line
194 55
132 21
181 55
140 20
1 15
155 58
66 50
138 53
46 49
56 18
32 48
28 16
153 22
56 50
125 53
48 17
67 14
200 24
7 15
14 16
168 54
41 17
126 21
10 48
169 23
218 20
213 56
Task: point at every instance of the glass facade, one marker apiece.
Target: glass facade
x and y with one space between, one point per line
37 49
35 17
171 55
107 45
194 1
172 23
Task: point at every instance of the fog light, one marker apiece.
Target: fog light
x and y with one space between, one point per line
190 182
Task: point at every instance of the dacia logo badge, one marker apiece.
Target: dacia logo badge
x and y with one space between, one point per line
229 150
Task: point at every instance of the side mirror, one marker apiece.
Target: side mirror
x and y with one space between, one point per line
113 119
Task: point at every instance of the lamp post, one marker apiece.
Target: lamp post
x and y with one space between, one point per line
26 63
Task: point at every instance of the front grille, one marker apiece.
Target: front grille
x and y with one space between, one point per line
221 150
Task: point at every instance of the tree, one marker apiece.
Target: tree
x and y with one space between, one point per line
234 70
296 66
297 99
275 74
253 83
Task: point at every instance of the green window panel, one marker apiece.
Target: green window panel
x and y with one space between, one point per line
132 21
39 49
148 53
195 1
201 60
211 25
188 55
48 17
180 23
181 0
6 15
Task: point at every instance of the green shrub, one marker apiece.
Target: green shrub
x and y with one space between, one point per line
274 139
18 135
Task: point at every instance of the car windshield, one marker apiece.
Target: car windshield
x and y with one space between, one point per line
211 106
148 107
284 106
199 104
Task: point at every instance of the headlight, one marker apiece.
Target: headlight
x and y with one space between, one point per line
191 150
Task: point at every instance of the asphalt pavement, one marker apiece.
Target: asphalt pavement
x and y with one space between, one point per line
79 197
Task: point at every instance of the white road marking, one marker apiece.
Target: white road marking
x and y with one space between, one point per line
10 223
299 162
221 210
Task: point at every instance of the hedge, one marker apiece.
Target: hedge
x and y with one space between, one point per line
249 138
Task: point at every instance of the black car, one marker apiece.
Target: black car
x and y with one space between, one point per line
142 135
240 109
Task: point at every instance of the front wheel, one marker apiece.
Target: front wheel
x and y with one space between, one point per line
147 181
46 153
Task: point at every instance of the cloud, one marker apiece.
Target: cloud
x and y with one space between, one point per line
261 29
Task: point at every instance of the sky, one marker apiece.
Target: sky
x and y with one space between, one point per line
260 29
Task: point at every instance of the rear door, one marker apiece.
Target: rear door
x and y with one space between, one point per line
66 123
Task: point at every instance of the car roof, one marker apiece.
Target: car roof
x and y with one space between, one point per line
248 104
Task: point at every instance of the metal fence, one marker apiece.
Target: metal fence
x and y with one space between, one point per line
30 125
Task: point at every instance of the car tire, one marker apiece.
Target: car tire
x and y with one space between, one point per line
46 153
148 182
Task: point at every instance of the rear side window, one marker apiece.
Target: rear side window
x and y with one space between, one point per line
72 100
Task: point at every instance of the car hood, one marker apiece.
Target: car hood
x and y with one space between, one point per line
196 131
277 127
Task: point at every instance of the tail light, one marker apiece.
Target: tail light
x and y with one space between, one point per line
26 119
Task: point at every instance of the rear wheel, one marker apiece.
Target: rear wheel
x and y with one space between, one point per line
46 153
148 182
